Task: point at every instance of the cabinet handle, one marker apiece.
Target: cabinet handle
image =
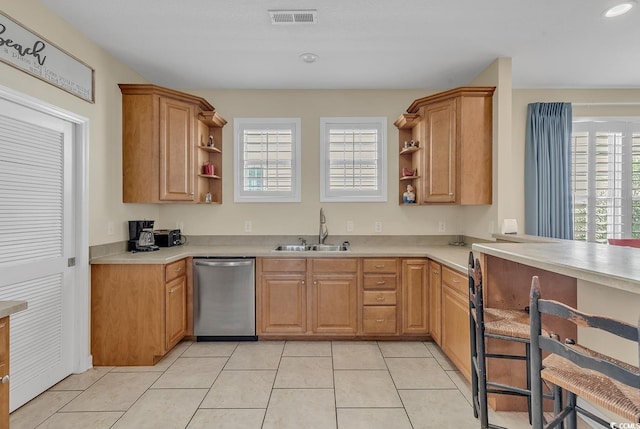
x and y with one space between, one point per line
380 298
380 266
451 194
436 273
455 280
302 282
315 282
379 320
177 270
381 282
5 379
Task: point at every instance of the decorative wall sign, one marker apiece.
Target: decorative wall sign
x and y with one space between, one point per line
27 51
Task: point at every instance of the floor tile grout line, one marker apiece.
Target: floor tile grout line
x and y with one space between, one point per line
394 385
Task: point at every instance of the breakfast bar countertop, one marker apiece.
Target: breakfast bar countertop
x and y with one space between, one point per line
7 308
613 266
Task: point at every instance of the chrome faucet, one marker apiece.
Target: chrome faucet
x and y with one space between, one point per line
324 231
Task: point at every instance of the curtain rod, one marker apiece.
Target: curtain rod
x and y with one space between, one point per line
630 103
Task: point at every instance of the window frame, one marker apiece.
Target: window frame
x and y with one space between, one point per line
242 196
379 195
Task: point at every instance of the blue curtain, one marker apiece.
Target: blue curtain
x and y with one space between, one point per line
547 171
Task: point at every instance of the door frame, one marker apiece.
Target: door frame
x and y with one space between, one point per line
81 353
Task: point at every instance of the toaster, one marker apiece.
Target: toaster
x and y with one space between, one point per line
167 237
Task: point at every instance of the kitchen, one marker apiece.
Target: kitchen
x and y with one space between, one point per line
107 217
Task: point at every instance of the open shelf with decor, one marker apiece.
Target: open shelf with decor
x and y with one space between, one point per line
209 157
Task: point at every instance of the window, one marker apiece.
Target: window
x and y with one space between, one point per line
606 180
353 159
267 159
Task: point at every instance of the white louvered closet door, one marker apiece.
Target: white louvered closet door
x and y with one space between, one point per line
36 242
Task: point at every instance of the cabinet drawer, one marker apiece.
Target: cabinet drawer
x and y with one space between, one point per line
175 270
456 281
335 265
380 266
380 298
379 319
380 281
286 265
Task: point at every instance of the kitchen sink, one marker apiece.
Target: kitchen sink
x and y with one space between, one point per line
291 248
311 248
328 247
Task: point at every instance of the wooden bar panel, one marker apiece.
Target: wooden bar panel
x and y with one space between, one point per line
507 285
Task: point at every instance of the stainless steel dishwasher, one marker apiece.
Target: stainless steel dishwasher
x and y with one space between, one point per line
224 305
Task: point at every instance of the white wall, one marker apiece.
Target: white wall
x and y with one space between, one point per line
105 147
302 218
105 130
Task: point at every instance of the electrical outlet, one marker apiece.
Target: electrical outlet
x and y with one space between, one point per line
247 226
378 226
110 228
349 226
442 226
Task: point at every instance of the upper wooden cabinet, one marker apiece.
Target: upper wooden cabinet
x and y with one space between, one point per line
166 137
451 154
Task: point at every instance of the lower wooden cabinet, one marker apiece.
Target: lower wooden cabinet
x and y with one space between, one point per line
435 301
380 296
176 304
281 298
415 296
455 320
4 371
334 296
138 312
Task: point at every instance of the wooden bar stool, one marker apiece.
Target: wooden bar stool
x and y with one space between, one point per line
579 371
506 325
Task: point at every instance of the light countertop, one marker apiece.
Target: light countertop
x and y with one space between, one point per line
7 308
453 256
614 266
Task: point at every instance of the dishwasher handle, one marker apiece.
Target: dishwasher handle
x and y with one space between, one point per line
224 263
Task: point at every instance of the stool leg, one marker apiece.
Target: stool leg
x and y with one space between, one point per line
527 353
557 403
571 418
474 366
482 379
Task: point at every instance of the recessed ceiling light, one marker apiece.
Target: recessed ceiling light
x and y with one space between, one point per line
309 57
618 9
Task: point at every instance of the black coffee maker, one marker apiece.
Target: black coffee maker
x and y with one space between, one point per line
141 236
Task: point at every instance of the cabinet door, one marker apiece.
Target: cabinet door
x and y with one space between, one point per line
283 303
415 299
334 303
435 301
455 329
177 146
4 370
176 311
441 138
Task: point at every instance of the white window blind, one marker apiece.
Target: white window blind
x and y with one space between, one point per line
606 180
267 153
353 159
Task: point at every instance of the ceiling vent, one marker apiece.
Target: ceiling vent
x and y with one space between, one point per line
307 16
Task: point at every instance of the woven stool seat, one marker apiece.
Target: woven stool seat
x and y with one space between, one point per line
510 323
593 386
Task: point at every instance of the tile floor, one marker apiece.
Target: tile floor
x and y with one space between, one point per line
268 385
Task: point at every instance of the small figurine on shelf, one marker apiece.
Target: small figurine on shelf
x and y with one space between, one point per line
409 197
210 144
